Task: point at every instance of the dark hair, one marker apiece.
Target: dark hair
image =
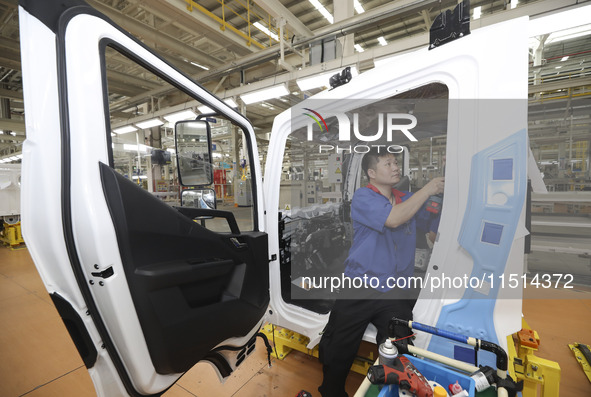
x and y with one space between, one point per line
371 158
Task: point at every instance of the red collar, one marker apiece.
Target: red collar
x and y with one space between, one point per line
397 193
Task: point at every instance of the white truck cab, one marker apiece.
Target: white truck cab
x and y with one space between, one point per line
146 292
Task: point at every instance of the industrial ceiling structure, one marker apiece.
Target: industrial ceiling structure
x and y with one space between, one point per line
236 47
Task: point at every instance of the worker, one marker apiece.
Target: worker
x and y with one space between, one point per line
385 221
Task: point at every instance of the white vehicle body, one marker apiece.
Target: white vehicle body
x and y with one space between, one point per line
82 251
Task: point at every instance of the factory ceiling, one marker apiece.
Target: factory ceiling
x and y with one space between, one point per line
233 46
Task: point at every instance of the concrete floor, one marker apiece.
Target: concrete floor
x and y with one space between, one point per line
39 359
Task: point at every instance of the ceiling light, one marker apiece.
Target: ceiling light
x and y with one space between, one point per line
382 40
514 3
267 93
358 7
568 34
359 48
206 109
320 80
265 30
230 102
199 66
13 158
124 130
564 58
322 10
135 148
477 12
149 123
171 150
113 134
557 67
178 116
19 156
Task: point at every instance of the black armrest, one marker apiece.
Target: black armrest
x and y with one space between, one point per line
195 212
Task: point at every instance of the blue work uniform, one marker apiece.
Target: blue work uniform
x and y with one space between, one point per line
377 250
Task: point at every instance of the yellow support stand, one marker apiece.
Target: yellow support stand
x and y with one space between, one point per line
581 359
285 341
534 371
11 235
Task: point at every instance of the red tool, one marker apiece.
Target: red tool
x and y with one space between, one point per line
403 374
434 204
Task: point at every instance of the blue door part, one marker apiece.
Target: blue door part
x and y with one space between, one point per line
498 183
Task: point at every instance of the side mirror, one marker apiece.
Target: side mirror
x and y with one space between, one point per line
201 198
193 148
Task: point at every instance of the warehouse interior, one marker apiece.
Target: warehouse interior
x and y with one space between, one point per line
262 58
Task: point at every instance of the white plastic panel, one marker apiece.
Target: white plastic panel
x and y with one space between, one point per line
490 63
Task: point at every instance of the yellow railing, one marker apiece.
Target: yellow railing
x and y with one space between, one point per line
252 16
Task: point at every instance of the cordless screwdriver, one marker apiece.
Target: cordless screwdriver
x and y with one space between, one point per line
402 373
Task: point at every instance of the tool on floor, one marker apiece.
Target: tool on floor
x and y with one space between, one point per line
402 373
582 354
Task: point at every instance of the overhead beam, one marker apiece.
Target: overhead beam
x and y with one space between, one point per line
10 94
279 11
10 44
12 125
154 36
559 84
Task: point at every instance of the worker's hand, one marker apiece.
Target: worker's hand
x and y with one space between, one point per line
435 186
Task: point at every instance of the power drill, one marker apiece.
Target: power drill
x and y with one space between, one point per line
434 204
402 373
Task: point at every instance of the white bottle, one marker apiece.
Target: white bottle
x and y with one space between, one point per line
388 353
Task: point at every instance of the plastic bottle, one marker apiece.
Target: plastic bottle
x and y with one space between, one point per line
388 352
439 392
455 388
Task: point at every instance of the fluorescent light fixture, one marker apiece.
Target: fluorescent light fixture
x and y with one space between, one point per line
265 30
382 40
322 10
206 109
140 177
358 7
557 67
230 102
358 48
564 58
199 66
134 148
171 150
20 156
514 3
320 80
568 34
477 12
149 123
124 130
266 93
113 134
178 116
13 158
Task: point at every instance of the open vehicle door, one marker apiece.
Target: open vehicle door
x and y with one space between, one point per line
144 291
